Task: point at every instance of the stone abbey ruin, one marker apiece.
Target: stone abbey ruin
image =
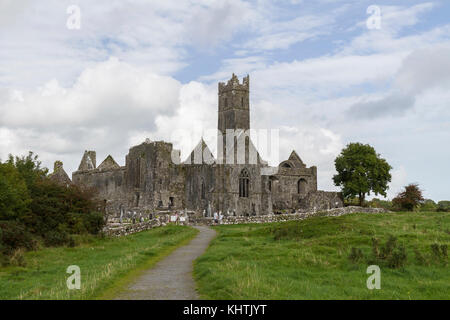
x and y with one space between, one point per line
151 181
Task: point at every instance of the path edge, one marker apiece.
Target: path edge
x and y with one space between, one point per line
119 286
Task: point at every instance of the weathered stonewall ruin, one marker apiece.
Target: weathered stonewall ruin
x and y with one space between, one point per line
151 181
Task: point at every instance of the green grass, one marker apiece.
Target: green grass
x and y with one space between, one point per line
309 259
106 265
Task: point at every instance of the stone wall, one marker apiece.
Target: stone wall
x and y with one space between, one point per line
287 217
124 230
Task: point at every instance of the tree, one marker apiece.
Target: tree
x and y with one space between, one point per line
410 199
29 168
361 171
444 206
14 195
428 205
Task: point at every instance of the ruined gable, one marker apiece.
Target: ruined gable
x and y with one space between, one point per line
201 154
59 175
108 164
88 162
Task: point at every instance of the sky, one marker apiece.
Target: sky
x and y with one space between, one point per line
105 75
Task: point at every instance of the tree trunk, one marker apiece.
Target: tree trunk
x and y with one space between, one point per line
361 199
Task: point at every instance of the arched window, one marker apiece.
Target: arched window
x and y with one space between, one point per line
301 186
203 189
244 183
286 165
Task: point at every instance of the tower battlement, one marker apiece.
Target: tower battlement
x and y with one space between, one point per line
234 84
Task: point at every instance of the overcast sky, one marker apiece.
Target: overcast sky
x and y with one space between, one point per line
137 69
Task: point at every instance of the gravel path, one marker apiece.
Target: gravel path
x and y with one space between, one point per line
171 278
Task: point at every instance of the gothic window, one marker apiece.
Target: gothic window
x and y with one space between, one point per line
226 103
286 165
301 186
244 183
242 102
270 185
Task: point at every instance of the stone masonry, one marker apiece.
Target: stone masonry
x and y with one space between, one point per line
151 181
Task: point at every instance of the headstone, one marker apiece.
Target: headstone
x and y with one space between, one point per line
209 209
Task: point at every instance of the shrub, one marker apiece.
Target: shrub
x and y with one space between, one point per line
377 203
56 238
420 258
93 222
15 236
355 255
439 253
443 206
17 258
428 205
14 196
391 254
410 199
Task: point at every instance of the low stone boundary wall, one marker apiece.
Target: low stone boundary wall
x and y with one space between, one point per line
287 217
124 230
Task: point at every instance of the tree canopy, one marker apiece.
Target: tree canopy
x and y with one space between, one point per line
360 171
409 199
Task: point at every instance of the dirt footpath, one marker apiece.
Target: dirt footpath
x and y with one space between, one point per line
171 278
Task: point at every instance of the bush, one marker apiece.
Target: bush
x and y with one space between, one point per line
33 206
14 196
410 199
56 238
17 258
392 255
14 236
443 206
355 255
94 222
439 253
377 203
428 205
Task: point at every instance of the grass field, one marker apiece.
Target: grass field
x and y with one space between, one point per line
106 265
309 259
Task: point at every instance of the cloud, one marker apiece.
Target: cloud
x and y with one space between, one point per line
10 9
105 104
392 105
422 70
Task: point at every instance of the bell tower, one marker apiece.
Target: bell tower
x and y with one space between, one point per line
234 109
234 104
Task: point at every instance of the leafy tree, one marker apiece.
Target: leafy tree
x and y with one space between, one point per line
14 195
361 171
32 205
428 205
444 206
410 199
29 167
378 203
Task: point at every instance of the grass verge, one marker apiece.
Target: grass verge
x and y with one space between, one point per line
106 265
309 259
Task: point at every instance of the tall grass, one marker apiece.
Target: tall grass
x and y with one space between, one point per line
103 263
309 259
